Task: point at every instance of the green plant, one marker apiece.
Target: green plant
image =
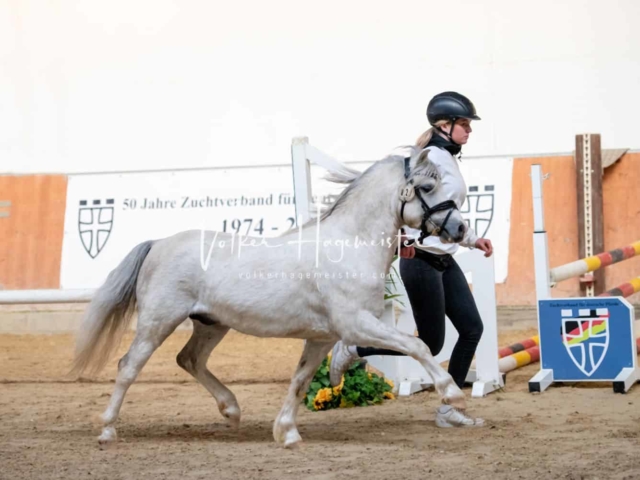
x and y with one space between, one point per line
358 388
390 287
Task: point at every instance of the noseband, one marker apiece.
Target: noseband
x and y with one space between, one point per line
427 211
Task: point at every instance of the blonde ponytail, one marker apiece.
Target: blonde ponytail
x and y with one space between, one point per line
424 139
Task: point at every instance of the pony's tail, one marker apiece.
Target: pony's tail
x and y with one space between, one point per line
109 313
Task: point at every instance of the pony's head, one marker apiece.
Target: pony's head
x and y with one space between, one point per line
424 205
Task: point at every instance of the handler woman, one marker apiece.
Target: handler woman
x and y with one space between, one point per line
434 282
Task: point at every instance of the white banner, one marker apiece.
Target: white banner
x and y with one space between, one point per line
108 214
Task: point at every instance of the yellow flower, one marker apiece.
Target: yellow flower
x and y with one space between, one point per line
329 357
338 389
389 382
370 376
323 396
343 403
389 395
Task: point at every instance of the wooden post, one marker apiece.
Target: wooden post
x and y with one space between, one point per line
590 218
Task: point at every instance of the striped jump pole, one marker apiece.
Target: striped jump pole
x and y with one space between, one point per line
625 290
519 347
595 262
519 359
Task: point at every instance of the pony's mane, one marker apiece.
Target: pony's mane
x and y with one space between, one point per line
428 170
345 175
353 178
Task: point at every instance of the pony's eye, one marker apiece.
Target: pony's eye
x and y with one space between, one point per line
426 188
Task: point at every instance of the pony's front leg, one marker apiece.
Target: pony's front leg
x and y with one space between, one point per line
367 331
285 431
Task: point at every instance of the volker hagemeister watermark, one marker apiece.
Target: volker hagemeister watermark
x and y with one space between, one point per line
243 242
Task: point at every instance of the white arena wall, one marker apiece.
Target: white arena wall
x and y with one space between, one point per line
141 84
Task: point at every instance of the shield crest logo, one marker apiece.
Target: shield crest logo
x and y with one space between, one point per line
586 339
478 209
95 222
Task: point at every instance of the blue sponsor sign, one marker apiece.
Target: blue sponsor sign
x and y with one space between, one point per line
586 339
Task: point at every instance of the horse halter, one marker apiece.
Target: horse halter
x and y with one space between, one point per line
407 194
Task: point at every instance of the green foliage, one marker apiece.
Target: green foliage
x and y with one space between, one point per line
359 389
390 288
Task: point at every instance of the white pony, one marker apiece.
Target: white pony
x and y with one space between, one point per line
321 282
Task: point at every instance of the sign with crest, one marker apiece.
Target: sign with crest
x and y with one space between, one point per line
95 221
478 209
586 339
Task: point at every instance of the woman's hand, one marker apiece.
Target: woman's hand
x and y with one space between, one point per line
484 244
406 251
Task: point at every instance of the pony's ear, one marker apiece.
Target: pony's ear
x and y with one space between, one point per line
423 157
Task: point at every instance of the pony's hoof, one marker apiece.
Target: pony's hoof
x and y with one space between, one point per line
457 402
107 437
233 417
233 422
455 397
286 435
292 440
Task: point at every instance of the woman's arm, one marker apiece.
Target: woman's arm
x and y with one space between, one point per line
470 238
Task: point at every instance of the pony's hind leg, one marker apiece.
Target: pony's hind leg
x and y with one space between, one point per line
152 331
193 358
367 330
285 431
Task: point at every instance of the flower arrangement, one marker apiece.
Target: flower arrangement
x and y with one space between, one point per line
358 388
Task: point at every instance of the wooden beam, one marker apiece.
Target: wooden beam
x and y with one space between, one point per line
590 217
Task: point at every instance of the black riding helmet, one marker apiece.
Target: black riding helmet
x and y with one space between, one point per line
450 106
